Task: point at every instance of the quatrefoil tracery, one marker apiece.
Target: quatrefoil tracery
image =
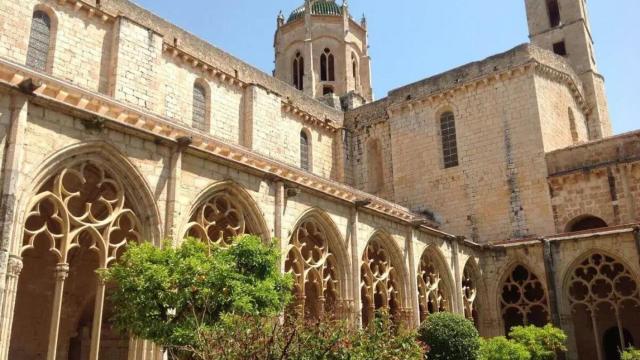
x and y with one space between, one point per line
218 220
600 279
524 295
81 205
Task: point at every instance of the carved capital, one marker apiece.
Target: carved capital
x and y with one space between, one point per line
62 271
14 266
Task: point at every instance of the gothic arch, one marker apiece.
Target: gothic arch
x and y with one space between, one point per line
435 283
86 203
383 277
223 210
602 293
318 258
473 292
522 297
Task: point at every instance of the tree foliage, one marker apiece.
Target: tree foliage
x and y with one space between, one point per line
543 343
450 337
500 348
171 295
267 338
631 354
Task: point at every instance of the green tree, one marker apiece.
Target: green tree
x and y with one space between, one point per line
450 337
543 343
172 295
631 354
500 348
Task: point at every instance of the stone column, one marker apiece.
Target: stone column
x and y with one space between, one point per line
13 273
277 219
413 270
11 165
457 272
549 267
172 211
355 268
97 321
62 271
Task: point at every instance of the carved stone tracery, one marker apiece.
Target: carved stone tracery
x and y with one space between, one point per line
82 205
432 294
379 283
313 263
604 294
218 219
469 294
523 300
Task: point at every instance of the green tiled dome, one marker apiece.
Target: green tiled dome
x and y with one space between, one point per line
320 7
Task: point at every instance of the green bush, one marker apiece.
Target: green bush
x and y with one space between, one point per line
449 337
543 343
500 348
631 354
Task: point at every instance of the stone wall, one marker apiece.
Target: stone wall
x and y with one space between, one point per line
597 179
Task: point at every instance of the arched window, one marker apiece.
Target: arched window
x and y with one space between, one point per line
585 222
312 261
523 300
470 293
327 66
305 154
553 9
449 141
298 71
433 292
354 66
375 178
380 282
605 299
200 118
39 41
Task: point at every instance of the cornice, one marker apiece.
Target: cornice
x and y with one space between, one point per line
438 97
78 100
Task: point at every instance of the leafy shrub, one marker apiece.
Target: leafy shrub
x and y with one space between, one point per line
170 295
450 337
543 343
631 354
239 338
500 348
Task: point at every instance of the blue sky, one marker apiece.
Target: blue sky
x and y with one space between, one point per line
413 39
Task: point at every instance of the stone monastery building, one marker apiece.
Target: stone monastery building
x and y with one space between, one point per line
495 190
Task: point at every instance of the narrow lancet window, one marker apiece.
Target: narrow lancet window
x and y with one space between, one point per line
39 41
200 113
327 66
449 141
298 72
554 12
305 161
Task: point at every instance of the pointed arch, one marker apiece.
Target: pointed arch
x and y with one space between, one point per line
603 295
435 283
223 210
523 298
473 292
383 277
85 204
201 105
317 257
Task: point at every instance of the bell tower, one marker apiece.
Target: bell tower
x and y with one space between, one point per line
322 51
562 26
